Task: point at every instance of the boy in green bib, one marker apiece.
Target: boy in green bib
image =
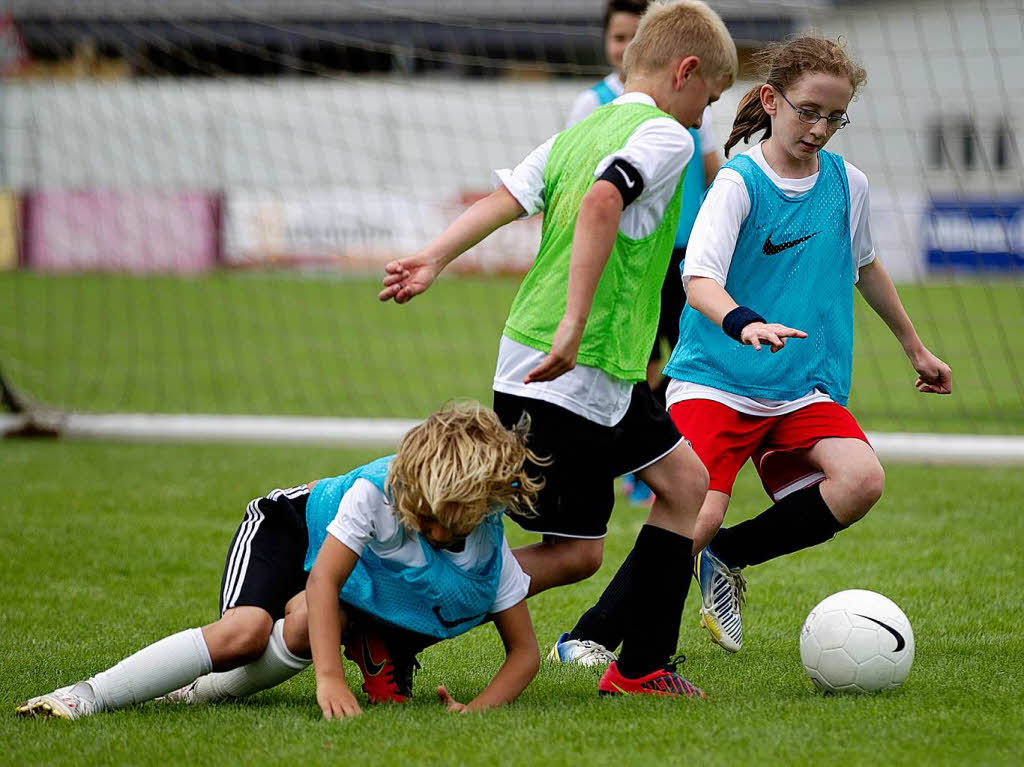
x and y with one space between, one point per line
574 350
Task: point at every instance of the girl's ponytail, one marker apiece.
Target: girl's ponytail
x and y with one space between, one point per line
750 118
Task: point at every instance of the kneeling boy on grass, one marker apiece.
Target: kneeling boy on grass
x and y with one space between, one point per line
413 543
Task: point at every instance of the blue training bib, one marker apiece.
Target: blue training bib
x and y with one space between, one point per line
605 94
693 192
793 264
438 598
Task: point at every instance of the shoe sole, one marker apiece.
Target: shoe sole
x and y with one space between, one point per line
716 633
553 657
656 693
614 693
41 710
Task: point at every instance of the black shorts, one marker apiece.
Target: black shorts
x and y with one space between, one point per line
673 299
264 566
579 493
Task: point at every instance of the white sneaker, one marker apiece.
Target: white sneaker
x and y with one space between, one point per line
186 694
62 703
580 652
721 591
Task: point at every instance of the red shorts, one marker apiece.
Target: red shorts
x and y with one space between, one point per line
724 439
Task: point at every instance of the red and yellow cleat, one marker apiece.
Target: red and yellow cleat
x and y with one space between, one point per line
664 681
386 679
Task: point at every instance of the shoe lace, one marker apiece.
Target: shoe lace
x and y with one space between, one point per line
675 662
596 650
739 587
672 667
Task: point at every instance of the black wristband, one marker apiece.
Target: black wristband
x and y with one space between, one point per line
734 322
626 179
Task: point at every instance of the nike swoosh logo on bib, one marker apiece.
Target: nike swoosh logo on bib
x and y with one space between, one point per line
900 642
451 624
770 249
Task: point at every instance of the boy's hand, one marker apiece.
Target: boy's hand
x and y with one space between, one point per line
772 333
562 357
408 277
453 705
335 699
933 375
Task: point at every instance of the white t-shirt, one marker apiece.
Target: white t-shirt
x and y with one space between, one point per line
659 149
710 251
587 101
365 518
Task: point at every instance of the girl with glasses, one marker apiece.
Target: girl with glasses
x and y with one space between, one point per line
782 238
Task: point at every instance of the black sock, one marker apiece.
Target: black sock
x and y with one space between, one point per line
799 521
602 623
652 606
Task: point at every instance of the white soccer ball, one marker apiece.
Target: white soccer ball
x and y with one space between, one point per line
857 641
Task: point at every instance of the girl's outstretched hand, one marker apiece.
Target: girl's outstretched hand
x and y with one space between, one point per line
771 333
933 375
453 705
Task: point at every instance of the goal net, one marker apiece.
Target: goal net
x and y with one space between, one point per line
197 198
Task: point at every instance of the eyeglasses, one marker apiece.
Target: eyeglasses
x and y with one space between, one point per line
811 118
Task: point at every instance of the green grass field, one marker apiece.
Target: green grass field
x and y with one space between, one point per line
107 547
293 345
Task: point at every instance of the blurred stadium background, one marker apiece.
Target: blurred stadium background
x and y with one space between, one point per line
197 197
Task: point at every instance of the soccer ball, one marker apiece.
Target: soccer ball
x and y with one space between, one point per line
857 641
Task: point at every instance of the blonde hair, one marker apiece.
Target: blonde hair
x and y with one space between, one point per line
671 29
459 466
781 65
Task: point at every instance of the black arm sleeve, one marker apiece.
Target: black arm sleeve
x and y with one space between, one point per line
625 178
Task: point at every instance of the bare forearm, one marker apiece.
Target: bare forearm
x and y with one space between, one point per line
324 626
709 298
597 226
515 674
878 290
473 225
744 325
522 658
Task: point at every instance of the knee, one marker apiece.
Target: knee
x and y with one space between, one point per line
247 640
296 630
686 482
585 563
864 487
581 559
698 478
695 478
711 518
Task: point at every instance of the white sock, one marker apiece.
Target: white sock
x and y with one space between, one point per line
153 671
276 665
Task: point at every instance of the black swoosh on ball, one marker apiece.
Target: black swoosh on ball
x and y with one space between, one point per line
770 249
900 643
